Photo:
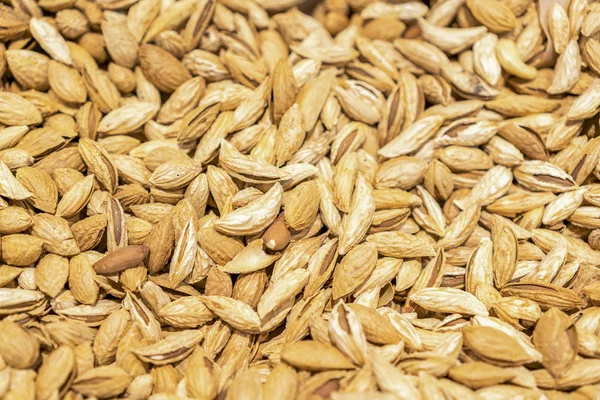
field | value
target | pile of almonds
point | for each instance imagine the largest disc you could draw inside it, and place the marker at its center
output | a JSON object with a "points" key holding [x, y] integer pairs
{"points": [[234, 200]]}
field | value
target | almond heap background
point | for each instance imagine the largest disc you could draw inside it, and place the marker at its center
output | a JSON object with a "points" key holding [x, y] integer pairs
{"points": [[230, 199]]}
